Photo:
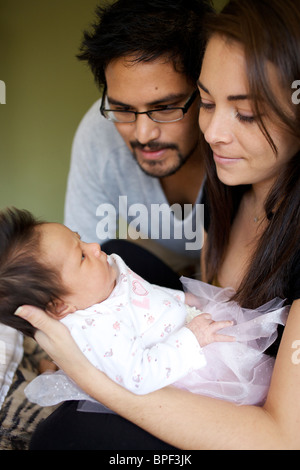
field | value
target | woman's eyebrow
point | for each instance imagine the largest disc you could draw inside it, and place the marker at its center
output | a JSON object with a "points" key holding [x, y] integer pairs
{"points": [[200, 85], [238, 97]]}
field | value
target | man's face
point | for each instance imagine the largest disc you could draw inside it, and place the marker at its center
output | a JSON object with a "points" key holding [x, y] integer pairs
{"points": [[160, 149]]}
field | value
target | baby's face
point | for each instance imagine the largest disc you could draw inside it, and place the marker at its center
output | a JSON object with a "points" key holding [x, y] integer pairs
{"points": [[84, 268]]}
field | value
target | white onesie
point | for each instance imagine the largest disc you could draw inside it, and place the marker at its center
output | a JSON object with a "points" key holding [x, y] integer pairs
{"points": [[137, 336]]}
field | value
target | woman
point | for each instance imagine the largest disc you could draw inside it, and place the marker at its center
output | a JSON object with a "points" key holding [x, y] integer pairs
{"points": [[253, 131]]}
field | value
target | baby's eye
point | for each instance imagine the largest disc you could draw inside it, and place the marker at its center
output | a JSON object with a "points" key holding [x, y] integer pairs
{"points": [[82, 257]]}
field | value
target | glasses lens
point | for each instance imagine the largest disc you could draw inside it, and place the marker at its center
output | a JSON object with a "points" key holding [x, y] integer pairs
{"points": [[119, 116], [167, 115]]}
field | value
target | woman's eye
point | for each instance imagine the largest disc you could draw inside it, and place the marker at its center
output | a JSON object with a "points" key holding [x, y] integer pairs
{"points": [[244, 118], [206, 106]]}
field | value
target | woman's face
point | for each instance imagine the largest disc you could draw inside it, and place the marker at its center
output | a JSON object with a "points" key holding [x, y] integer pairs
{"points": [[241, 152]]}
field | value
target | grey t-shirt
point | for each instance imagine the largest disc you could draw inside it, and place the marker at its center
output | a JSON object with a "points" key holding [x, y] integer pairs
{"points": [[106, 183]]}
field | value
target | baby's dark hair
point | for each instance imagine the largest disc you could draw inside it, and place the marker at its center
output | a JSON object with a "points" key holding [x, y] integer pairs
{"points": [[24, 279]]}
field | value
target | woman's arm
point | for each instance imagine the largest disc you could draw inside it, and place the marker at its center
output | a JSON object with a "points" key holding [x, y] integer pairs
{"points": [[186, 420]]}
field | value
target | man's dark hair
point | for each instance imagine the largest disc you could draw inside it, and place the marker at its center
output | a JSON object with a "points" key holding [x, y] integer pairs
{"points": [[147, 30], [24, 279]]}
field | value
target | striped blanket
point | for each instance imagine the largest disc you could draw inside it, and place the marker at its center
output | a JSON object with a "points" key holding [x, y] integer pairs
{"points": [[19, 417]]}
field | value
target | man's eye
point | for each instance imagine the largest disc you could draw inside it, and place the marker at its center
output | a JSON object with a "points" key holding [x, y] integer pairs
{"points": [[165, 110]]}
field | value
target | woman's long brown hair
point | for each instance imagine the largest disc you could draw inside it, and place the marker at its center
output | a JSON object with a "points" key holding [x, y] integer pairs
{"points": [[269, 31]]}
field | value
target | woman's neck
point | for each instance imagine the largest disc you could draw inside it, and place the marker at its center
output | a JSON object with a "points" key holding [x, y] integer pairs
{"points": [[256, 198]]}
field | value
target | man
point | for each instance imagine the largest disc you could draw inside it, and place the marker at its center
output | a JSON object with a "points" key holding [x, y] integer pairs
{"points": [[136, 168], [146, 55]]}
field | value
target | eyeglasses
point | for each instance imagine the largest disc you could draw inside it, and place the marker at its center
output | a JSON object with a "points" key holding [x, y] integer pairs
{"points": [[161, 115]]}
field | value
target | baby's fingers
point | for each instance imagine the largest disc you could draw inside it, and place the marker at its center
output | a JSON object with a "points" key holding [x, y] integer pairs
{"points": [[219, 325], [224, 338]]}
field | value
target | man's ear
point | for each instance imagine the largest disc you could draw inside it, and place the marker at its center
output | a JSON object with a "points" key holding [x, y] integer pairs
{"points": [[59, 309]]}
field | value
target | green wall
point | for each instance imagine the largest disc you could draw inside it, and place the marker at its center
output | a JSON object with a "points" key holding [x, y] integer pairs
{"points": [[47, 92]]}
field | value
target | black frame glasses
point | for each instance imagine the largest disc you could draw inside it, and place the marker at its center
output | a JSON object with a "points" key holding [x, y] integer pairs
{"points": [[161, 115]]}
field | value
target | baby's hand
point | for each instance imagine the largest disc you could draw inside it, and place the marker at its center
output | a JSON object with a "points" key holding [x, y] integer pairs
{"points": [[46, 365], [205, 329], [193, 301]]}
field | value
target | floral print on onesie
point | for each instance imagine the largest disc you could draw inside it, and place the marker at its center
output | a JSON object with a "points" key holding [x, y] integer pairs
{"points": [[137, 335]]}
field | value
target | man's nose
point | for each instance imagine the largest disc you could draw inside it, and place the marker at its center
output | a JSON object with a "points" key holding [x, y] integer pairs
{"points": [[146, 130]]}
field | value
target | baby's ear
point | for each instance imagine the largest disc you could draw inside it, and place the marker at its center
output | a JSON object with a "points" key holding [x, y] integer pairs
{"points": [[59, 309]]}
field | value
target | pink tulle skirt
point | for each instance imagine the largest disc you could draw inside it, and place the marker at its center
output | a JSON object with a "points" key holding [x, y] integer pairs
{"points": [[238, 372]]}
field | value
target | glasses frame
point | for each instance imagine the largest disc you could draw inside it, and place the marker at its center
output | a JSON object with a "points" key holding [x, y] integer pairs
{"points": [[184, 110]]}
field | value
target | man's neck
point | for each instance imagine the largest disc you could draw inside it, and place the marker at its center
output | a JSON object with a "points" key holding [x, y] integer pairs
{"points": [[183, 186]]}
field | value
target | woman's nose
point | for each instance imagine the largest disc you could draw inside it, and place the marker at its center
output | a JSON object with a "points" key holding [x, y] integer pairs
{"points": [[216, 128]]}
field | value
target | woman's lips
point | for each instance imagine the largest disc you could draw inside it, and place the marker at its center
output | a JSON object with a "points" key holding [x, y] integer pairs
{"points": [[226, 160]]}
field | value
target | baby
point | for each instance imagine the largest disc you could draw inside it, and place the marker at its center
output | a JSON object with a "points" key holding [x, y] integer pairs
{"points": [[135, 332], [132, 330]]}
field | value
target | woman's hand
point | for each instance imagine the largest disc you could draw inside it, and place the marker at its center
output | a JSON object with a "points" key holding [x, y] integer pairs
{"points": [[55, 339]]}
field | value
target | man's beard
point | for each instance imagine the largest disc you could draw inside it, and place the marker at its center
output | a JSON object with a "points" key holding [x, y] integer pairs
{"points": [[155, 167]]}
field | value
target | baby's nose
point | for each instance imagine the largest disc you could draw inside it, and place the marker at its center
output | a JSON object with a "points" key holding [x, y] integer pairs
{"points": [[95, 249]]}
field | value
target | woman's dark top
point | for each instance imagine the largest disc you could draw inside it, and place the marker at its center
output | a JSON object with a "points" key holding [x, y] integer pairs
{"points": [[293, 291]]}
